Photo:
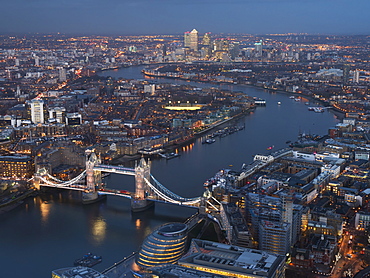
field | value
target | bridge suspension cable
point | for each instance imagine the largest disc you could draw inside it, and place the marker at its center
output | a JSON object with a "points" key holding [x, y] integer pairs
{"points": [[169, 193], [61, 183], [184, 201], [80, 176]]}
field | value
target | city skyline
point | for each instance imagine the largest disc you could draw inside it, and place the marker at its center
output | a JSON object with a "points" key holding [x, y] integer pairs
{"points": [[174, 17]]}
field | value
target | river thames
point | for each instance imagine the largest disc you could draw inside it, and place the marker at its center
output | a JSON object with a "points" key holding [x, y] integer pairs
{"points": [[50, 232]]}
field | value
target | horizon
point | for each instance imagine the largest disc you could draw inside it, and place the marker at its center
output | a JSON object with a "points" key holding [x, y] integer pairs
{"points": [[144, 17], [179, 34]]}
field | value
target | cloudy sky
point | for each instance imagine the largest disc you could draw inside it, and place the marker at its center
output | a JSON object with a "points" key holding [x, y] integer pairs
{"points": [[122, 17]]}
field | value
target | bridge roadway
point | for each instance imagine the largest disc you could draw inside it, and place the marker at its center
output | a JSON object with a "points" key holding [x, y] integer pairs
{"points": [[69, 187], [114, 169]]}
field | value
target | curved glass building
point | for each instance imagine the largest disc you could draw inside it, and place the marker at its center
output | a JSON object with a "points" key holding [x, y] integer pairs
{"points": [[165, 245]]}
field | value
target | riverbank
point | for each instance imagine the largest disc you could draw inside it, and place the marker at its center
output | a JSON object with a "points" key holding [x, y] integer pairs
{"points": [[340, 114], [172, 147], [13, 203]]}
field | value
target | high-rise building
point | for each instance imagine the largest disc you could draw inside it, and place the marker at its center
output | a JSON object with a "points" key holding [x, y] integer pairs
{"points": [[274, 237], [258, 48], [346, 69], [206, 39], [234, 50], [191, 40], [281, 212], [356, 76], [187, 39], [37, 111]]}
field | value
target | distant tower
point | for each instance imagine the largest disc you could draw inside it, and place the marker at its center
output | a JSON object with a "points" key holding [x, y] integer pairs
{"points": [[346, 69], [37, 111], [191, 40], [234, 50], [194, 40], [206, 39], [187, 39], [356, 76], [258, 48], [62, 74]]}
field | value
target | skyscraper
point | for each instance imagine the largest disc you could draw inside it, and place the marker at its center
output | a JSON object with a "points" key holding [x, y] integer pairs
{"points": [[258, 48], [346, 69], [37, 111], [206, 39], [191, 40], [187, 39]]}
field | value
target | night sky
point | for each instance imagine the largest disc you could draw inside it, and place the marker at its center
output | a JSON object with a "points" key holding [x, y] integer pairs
{"points": [[124, 17]]}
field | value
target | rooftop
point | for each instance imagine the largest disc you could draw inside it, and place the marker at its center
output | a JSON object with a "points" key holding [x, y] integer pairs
{"points": [[232, 259]]}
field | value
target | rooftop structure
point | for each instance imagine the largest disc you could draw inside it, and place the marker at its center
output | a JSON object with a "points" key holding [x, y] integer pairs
{"points": [[76, 272], [232, 261]]}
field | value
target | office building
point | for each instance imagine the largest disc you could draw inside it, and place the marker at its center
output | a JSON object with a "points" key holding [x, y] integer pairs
{"points": [[236, 229], [206, 39], [191, 40], [362, 220], [285, 216], [37, 111], [57, 113], [232, 261], [346, 70], [274, 237], [165, 245], [258, 48], [20, 167]]}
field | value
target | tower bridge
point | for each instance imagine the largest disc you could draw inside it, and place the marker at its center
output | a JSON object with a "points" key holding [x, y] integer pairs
{"points": [[148, 190]]}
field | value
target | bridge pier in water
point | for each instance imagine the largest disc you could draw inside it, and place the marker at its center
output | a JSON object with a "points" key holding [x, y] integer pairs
{"points": [[93, 178], [139, 201]]}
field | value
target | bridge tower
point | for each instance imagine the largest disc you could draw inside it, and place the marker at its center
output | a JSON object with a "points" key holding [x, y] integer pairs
{"points": [[139, 201], [90, 195]]}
